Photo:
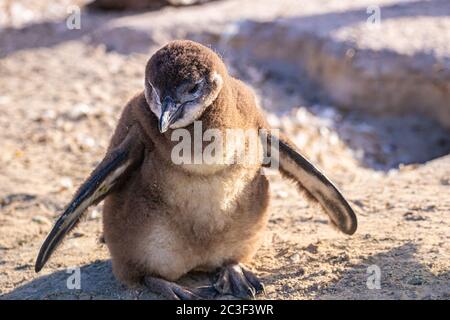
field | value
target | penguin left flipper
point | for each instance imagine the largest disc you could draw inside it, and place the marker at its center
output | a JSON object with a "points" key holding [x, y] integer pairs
{"points": [[319, 187], [116, 165]]}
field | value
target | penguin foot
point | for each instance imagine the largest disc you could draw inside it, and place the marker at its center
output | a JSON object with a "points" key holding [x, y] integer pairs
{"points": [[238, 282], [170, 290]]}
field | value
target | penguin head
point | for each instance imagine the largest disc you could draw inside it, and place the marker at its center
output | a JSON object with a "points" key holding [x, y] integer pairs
{"points": [[182, 80]]}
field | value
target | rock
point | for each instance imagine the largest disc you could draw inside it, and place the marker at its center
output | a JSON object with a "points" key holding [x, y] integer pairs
{"points": [[78, 234], [416, 280], [281, 194], [412, 216], [5, 100], [85, 142], [273, 120], [66, 183], [359, 203], [295, 258], [41, 220], [15, 197], [311, 248], [45, 116], [94, 215], [78, 112]]}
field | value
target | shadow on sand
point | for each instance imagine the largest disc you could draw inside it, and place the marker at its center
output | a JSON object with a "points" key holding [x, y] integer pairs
{"points": [[402, 277]]}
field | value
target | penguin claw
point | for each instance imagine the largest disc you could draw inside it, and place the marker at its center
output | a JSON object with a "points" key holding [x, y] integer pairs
{"points": [[170, 290], [232, 280], [238, 282], [206, 292], [254, 281], [185, 294]]}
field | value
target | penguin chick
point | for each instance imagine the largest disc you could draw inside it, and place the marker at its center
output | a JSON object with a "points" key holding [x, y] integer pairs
{"points": [[163, 219]]}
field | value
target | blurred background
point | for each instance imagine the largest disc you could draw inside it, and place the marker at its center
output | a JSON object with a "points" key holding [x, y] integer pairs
{"points": [[362, 87]]}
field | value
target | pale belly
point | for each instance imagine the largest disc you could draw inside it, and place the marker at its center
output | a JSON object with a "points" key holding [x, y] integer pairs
{"points": [[200, 223], [208, 223]]}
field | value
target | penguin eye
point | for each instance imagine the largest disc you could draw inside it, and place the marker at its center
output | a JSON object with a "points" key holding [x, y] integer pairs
{"points": [[190, 91], [194, 89]]}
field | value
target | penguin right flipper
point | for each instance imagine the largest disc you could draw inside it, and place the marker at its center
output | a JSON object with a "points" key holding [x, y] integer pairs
{"points": [[116, 165], [296, 167]]}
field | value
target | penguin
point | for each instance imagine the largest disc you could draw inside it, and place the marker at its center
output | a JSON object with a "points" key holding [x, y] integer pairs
{"points": [[162, 218]]}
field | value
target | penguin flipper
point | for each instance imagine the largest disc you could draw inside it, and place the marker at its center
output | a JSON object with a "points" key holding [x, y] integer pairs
{"points": [[114, 167], [296, 167]]}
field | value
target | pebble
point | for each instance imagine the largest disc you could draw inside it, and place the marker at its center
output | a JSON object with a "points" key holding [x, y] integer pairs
{"points": [[85, 141], [66, 183], [416, 280], [411, 216], [281, 194], [302, 116], [273, 120], [78, 234], [94, 215], [41, 220], [311, 248], [79, 111], [295, 258], [5, 100]]}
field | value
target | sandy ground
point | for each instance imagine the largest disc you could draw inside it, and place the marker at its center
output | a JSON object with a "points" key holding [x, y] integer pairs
{"points": [[59, 104]]}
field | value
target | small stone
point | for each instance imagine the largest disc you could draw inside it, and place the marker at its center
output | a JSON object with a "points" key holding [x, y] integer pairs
{"points": [[94, 215], [334, 138], [46, 115], [19, 153], [79, 111], [416, 280], [41, 220], [281, 194], [66, 183], [273, 120], [392, 172], [86, 142], [411, 216], [295, 258], [359, 203], [324, 131], [102, 239], [78, 234], [311, 248], [5, 100], [350, 53], [302, 116], [389, 205]]}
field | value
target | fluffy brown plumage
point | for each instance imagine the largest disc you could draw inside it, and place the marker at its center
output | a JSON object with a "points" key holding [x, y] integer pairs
{"points": [[162, 220]]}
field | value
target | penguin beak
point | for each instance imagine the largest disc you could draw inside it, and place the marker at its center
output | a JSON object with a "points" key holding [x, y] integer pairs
{"points": [[169, 114]]}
